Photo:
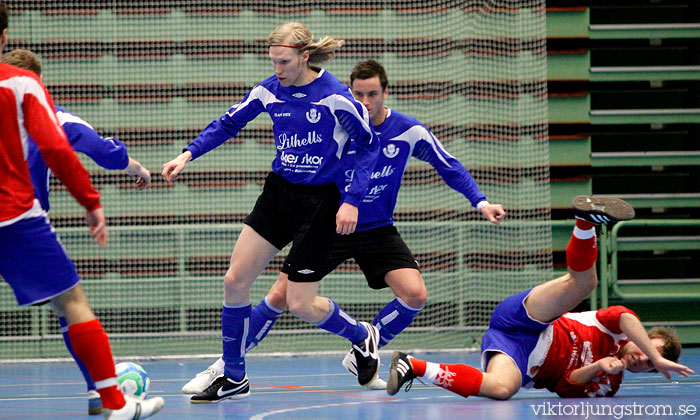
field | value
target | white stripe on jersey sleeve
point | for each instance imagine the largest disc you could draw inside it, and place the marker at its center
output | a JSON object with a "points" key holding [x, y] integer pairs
{"points": [[340, 102], [258, 92], [417, 133], [20, 86], [589, 319], [65, 117]]}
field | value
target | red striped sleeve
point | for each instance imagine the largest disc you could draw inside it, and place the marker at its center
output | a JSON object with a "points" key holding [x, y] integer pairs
{"points": [[42, 125]]}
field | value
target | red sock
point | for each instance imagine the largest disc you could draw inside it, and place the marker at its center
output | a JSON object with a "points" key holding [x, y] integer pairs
{"points": [[461, 379], [418, 366], [91, 345], [582, 252]]}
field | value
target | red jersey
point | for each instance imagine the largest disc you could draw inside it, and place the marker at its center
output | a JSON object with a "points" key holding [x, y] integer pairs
{"points": [[26, 109], [575, 340]]}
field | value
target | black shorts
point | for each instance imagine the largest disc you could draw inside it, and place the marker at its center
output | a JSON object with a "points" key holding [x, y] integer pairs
{"points": [[301, 214], [377, 252]]}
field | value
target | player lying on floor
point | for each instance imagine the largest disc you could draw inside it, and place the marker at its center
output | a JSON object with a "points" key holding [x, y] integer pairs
{"points": [[533, 341]]}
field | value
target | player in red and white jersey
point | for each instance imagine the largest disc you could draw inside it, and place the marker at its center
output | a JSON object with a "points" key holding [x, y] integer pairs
{"points": [[27, 109], [533, 339], [576, 340], [32, 259]]}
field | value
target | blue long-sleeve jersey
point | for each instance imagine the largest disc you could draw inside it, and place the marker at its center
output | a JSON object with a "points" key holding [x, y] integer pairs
{"points": [[312, 125], [109, 153], [401, 137]]}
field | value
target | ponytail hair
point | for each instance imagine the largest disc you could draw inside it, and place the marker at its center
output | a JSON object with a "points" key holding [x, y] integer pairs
{"points": [[298, 36]]}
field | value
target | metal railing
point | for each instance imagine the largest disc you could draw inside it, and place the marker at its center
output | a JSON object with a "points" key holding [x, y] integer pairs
{"points": [[612, 243]]}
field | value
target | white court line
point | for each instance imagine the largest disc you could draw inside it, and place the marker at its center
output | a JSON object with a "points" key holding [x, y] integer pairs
{"points": [[261, 416], [44, 398]]}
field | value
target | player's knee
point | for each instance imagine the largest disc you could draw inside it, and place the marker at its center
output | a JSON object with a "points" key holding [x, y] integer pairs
{"points": [[590, 282], [593, 283], [233, 283], [416, 297], [299, 307], [501, 392], [302, 312], [277, 298], [57, 308]]}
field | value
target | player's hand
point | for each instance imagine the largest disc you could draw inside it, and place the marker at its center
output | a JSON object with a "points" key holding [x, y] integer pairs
{"points": [[665, 366], [144, 175], [611, 365], [175, 166], [98, 226], [494, 213], [346, 219]]}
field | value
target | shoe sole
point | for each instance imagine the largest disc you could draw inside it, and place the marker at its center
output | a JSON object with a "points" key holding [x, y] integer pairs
{"points": [[614, 208], [232, 397], [392, 385], [376, 384], [94, 411]]}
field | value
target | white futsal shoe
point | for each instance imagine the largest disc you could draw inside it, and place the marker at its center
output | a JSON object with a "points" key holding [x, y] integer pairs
{"points": [[204, 378], [350, 363], [135, 409]]}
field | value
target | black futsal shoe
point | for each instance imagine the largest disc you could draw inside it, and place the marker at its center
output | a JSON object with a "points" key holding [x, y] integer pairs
{"points": [[223, 388], [367, 355], [400, 372]]}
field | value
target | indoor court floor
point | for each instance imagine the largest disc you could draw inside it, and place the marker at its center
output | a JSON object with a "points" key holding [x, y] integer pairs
{"points": [[306, 387]]}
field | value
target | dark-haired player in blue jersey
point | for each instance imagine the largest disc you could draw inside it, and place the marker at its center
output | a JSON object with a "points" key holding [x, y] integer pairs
{"points": [[109, 153], [376, 245], [314, 118]]}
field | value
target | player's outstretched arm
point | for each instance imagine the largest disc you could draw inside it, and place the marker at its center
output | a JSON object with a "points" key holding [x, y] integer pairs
{"points": [[494, 213], [634, 330], [665, 366], [175, 166], [144, 175]]}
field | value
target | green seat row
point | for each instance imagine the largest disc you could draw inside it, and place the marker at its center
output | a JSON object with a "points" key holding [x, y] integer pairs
{"points": [[670, 158], [645, 116], [177, 24], [645, 31], [197, 199], [179, 113], [661, 200], [198, 241], [573, 22], [257, 154], [249, 68], [576, 65]]}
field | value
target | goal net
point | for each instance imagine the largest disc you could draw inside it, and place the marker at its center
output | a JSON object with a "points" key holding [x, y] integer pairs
{"points": [[154, 73]]}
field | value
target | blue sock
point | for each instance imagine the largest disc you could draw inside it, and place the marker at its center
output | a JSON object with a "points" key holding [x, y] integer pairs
{"points": [[64, 331], [342, 324], [262, 318], [392, 319], [235, 323]]}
